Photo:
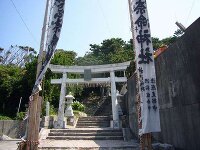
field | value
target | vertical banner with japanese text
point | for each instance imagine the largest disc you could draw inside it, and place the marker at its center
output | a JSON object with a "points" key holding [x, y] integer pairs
{"points": [[54, 29], [150, 118]]}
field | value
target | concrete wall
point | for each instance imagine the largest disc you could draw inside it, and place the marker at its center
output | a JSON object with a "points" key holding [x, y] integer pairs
{"points": [[178, 82], [12, 128], [131, 105]]}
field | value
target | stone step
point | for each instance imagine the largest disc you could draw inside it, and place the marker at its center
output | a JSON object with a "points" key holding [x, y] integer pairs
{"points": [[93, 123], [92, 126], [86, 134], [85, 130], [85, 124], [89, 121], [85, 137], [90, 148], [94, 118]]}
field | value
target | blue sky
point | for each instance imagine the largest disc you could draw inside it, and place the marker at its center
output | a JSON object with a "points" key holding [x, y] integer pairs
{"points": [[90, 21]]}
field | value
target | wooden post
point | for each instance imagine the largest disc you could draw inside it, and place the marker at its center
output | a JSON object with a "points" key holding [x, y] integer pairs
{"points": [[34, 122], [35, 100]]}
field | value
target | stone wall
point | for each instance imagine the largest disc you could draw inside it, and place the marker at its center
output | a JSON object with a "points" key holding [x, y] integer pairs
{"points": [[178, 82], [12, 128]]}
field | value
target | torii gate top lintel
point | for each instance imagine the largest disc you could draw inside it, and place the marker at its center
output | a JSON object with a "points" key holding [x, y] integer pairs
{"points": [[94, 68]]}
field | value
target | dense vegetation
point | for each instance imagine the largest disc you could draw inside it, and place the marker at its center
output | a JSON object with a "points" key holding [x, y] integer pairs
{"points": [[17, 82]]}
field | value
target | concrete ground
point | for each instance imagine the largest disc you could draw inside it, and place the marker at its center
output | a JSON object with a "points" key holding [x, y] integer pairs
{"points": [[76, 144], [12, 145], [59, 144], [73, 144], [9, 145]]}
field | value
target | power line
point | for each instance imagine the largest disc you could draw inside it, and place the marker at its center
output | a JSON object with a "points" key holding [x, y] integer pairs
{"points": [[103, 14], [190, 11], [24, 22]]}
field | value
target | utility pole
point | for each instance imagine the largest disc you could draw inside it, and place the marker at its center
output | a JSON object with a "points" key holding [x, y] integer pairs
{"points": [[42, 46], [35, 103]]}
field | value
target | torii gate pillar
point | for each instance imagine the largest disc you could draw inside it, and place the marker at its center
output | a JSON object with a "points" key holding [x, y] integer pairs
{"points": [[115, 122], [60, 124]]}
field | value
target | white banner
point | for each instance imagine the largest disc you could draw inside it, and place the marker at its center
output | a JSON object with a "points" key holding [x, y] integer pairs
{"points": [[54, 29], [150, 118]]}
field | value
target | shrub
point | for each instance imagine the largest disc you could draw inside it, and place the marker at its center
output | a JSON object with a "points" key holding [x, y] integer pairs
{"points": [[5, 117], [20, 116], [76, 105], [52, 110]]}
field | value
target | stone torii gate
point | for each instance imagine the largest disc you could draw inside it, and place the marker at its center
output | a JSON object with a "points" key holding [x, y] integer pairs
{"points": [[111, 68]]}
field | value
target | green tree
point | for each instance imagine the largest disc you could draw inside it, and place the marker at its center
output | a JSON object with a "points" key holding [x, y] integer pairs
{"points": [[113, 50], [62, 57], [11, 88], [51, 92]]}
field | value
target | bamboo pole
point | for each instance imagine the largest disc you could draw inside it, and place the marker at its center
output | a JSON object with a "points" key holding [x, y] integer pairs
{"points": [[145, 139]]}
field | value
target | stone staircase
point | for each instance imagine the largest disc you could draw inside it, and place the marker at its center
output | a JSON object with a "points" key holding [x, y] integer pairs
{"points": [[88, 128], [91, 133], [93, 122], [86, 134], [105, 109]]}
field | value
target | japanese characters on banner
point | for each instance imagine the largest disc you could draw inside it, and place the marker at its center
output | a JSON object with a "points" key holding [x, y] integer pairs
{"points": [[54, 29], [150, 119]]}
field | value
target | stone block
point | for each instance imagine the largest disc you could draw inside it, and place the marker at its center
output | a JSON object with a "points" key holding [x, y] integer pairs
{"points": [[159, 146], [71, 121], [45, 122], [126, 134]]}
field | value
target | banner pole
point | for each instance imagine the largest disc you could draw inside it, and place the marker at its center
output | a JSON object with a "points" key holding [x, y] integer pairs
{"points": [[145, 139], [136, 77]]}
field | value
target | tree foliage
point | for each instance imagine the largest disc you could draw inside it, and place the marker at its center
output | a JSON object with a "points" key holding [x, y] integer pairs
{"points": [[51, 92], [16, 82], [62, 57], [166, 41], [11, 79], [114, 50]]}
